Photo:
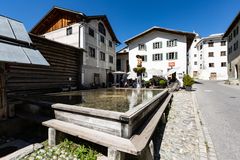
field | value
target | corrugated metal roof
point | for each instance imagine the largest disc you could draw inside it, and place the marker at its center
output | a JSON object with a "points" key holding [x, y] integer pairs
{"points": [[16, 45]]}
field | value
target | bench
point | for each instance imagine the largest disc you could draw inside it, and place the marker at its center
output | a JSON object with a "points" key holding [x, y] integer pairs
{"points": [[117, 146]]}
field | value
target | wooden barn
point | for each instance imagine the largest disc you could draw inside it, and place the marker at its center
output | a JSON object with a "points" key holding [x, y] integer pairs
{"points": [[31, 64]]}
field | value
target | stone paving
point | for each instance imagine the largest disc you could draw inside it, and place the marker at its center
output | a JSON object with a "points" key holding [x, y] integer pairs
{"points": [[183, 138]]}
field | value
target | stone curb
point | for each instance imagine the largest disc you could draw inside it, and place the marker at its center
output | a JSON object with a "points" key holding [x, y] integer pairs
{"points": [[206, 147]]}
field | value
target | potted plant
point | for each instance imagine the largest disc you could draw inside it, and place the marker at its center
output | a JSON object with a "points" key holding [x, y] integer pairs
{"points": [[188, 82]]}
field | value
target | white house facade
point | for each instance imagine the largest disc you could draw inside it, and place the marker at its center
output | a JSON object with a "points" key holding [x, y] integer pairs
{"points": [[208, 58], [95, 35], [123, 60], [163, 51], [232, 35]]}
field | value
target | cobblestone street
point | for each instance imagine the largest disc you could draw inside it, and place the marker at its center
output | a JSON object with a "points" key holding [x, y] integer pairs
{"points": [[182, 139]]}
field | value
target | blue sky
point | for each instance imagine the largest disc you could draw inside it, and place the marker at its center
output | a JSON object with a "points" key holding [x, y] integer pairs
{"points": [[130, 17]]}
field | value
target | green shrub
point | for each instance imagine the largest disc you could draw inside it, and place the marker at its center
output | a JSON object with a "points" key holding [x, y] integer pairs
{"points": [[147, 83], [156, 80], [188, 80], [163, 83]]}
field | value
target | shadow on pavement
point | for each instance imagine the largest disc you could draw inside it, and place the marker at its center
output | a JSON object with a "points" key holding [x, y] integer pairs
{"points": [[197, 82]]}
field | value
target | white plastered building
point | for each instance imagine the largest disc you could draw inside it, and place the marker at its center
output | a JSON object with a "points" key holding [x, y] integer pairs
{"points": [[208, 58], [92, 33], [163, 51]]}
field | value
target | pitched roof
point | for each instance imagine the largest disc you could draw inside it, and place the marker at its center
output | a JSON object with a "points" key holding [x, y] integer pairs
{"points": [[40, 28], [190, 35], [211, 37], [232, 25]]}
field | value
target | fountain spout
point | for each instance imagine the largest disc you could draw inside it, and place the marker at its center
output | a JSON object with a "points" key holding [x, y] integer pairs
{"points": [[139, 70]]}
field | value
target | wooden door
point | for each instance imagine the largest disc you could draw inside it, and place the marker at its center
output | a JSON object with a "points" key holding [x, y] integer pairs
{"points": [[213, 76]]}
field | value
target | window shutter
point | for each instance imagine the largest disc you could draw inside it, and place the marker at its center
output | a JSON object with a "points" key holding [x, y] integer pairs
{"points": [[153, 57], [176, 55], [160, 44], [167, 56]]}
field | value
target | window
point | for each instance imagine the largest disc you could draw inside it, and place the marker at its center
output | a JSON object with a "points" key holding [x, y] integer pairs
{"points": [[91, 32], [195, 55], [195, 63], [200, 66], [211, 64], [157, 57], [230, 37], [235, 32], [223, 53], [102, 39], [157, 45], [235, 46], [110, 43], [141, 47], [102, 56], [69, 31], [110, 59], [223, 43], [101, 28], [144, 58], [171, 55], [92, 52], [210, 44], [200, 56], [172, 43], [223, 64], [230, 49], [210, 54], [201, 46]]}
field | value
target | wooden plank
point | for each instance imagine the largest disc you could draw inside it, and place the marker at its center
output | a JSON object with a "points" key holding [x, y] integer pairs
{"points": [[104, 139], [97, 123], [141, 140], [22, 152], [88, 111]]}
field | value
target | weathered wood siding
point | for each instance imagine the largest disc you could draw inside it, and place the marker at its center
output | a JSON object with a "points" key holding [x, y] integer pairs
{"points": [[65, 64]]}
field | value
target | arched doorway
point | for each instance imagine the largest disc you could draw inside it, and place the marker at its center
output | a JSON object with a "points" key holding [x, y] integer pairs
{"points": [[236, 72]]}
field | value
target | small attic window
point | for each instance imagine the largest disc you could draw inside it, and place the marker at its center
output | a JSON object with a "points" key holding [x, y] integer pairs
{"points": [[69, 31], [101, 28]]}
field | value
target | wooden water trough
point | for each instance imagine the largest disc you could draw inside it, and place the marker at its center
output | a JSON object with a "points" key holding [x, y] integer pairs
{"points": [[128, 132]]}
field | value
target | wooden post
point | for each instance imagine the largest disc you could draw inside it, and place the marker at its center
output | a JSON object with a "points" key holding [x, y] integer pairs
{"points": [[163, 118], [51, 137], [3, 99], [115, 155]]}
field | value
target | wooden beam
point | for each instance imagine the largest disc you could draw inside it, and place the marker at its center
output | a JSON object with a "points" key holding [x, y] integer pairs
{"points": [[141, 140], [23, 152], [104, 139]]}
